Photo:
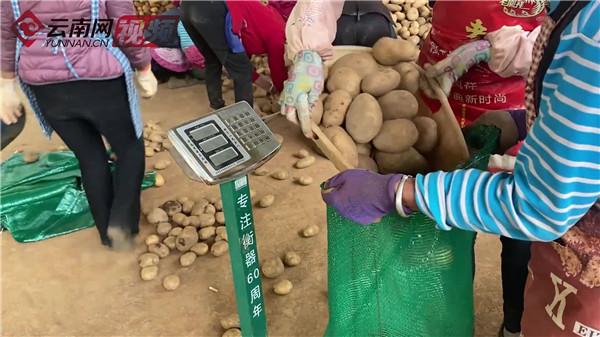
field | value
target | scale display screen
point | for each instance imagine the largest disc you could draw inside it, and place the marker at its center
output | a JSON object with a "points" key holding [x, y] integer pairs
{"points": [[224, 144]]}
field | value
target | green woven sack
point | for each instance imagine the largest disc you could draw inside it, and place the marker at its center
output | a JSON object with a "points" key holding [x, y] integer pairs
{"points": [[402, 276], [45, 199]]}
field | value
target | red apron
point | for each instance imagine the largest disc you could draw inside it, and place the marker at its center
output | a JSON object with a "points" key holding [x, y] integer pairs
{"points": [[562, 296], [458, 22]]}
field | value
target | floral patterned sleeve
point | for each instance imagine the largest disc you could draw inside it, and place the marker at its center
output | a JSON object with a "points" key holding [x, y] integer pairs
{"points": [[312, 26]]}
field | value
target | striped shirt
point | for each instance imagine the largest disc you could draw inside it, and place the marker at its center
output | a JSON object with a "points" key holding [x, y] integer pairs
{"points": [[557, 172]]}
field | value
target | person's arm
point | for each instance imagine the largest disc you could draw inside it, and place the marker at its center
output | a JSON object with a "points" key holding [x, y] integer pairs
{"points": [[557, 172], [312, 26], [276, 59], [511, 50], [9, 40], [139, 57]]}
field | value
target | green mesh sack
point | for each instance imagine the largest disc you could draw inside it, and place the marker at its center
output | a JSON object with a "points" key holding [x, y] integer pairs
{"points": [[402, 276], [45, 199]]}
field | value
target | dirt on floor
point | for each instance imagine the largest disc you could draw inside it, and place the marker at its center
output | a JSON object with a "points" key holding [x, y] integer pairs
{"points": [[73, 286]]}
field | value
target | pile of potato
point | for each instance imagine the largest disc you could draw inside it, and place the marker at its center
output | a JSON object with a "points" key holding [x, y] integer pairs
{"points": [[152, 7], [191, 228], [370, 112], [155, 139], [412, 18]]}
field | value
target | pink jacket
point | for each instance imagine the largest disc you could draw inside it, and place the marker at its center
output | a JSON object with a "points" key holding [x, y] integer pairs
{"points": [[37, 63]]}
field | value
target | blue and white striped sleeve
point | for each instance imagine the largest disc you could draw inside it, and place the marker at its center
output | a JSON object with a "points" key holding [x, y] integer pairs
{"points": [[557, 172]]}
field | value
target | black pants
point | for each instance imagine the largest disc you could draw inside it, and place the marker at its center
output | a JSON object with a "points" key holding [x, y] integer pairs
{"points": [[515, 258], [81, 112], [205, 23], [363, 30]]}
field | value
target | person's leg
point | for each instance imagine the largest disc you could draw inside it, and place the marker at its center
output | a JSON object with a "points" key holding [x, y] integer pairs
{"points": [[240, 68], [86, 143], [515, 258], [113, 120], [194, 19], [346, 31]]}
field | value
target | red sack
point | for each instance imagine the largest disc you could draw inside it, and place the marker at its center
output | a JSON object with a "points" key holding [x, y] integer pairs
{"points": [[458, 22]]}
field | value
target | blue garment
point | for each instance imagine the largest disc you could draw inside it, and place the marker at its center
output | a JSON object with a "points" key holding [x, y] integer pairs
{"points": [[233, 41], [557, 173], [119, 55]]}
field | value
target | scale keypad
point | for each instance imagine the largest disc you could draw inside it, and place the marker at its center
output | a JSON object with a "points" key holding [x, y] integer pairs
{"points": [[249, 131]]}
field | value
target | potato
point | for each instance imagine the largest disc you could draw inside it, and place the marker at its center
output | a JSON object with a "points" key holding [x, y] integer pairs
{"points": [[162, 164], [172, 207], [148, 259], [409, 76], [219, 205], [316, 113], [282, 287], [221, 233], [159, 249], [200, 248], [186, 239], [232, 333], [178, 218], [199, 207], [397, 135], [30, 157], [152, 239], [220, 218], [398, 104], [175, 231], [310, 230], [187, 206], [149, 273], [364, 149], [171, 282], [344, 143], [428, 134], [166, 144], [305, 162], [183, 199], [206, 233], [362, 63], [412, 14], [169, 241], [280, 174], [389, 51], [364, 118], [207, 220], [163, 228], [344, 78], [148, 151], [367, 163], [157, 215], [336, 105], [230, 321], [303, 180], [159, 180], [302, 153], [414, 40], [261, 171], [219, 248], [266, 201], [210, 209], [187, 259], [272, 268], [380, 82], [407, 162], [292, 259]]}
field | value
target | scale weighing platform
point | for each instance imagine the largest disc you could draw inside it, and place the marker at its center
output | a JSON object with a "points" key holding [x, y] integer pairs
{"points": [[224, 145], [221, 148]]}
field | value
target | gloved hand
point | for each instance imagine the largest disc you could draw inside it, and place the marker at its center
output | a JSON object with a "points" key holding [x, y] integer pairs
{"points": [[265, 83], [302, 89], [147, 83], [362, 196], [450, 69], [11, 105]]}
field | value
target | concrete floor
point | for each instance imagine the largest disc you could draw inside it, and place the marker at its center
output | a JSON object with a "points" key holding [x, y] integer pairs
{"points": [[72, 286]]}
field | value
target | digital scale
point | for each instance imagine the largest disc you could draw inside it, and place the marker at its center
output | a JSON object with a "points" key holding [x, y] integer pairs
{"points": [[224, 145], [221, 148]]}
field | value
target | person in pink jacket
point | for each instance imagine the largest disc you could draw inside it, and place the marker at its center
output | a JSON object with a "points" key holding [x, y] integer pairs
{"points": [[83, 93]]}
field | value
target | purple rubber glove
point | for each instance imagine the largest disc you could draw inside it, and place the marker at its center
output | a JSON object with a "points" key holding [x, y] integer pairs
{"points": [[362, 196]]}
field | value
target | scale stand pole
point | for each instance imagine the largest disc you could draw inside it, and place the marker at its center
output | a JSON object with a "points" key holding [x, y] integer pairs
{"points": [[237, 206]]}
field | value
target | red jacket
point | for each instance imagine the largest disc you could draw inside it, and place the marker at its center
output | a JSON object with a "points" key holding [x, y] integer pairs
{"points": [[262, 31]]}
